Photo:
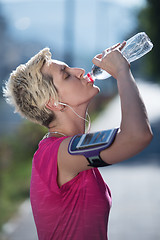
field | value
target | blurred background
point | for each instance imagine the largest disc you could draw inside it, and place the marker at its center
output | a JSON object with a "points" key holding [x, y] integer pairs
{"points": [[75, 31]]}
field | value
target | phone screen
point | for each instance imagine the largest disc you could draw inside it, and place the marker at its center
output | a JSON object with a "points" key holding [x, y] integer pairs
{"points": [[94, 139]]}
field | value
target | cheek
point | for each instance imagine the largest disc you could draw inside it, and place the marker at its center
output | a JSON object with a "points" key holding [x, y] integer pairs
{"points": [[69, 94], [84, 94], [72, 89], [77, 93]]}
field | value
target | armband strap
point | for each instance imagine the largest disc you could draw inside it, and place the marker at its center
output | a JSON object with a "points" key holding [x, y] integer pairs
{"points": [[90, 145]]}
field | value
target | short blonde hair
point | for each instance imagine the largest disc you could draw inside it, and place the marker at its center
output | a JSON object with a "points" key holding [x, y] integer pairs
{"points": [[28, 90]]}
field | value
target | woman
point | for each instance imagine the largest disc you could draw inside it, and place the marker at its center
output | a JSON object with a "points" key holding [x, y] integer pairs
{"points": [[68, 196]]}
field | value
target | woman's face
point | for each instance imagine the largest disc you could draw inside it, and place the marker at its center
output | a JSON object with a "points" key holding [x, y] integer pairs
{"points": [[73, 87]]}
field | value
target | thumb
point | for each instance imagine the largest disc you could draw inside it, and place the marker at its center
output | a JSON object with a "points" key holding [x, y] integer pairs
{"points": [[97, 59]]}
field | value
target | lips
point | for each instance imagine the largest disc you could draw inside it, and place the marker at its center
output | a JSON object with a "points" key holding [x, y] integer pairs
{"points": [[89, 78]]}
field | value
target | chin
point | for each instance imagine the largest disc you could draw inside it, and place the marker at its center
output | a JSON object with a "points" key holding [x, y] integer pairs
{"points": [[97, 89]]}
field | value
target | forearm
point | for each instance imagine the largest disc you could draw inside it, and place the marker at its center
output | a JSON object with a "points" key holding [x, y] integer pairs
{"points": [[135, 132], [134, 116]]}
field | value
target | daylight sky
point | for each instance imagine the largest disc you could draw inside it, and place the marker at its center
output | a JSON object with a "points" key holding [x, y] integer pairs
{"points": [[129, 3]]}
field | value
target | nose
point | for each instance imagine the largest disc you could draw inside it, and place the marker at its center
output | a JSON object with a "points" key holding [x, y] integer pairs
{"points": [[79, 72]]}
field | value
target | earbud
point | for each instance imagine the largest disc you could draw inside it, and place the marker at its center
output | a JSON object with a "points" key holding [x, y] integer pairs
{"points": [[64, 104], [57, 103]]}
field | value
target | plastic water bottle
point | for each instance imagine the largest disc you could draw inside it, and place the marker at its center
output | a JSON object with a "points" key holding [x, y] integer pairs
{"points": [[136, 47]]}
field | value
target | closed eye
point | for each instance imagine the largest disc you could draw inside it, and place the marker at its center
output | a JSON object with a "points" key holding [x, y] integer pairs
{"points": [[65, 73]]}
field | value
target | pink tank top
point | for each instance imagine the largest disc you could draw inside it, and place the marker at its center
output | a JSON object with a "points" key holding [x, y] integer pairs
{"points": [[78, 210]]}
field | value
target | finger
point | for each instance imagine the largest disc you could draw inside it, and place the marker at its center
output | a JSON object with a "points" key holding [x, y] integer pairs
{"points": [[97, 59], [110, 49], [122, 45], [99, 56], [115, 46]]}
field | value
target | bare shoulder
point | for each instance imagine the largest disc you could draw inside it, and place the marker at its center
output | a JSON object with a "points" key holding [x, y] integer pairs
{"points": [[69, 165]]}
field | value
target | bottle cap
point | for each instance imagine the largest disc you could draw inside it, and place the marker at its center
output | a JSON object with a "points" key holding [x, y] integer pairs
{"points": [[90, 77]]}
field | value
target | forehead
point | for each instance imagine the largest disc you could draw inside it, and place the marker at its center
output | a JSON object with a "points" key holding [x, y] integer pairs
{"points": [[53, 66], [57, 62]]}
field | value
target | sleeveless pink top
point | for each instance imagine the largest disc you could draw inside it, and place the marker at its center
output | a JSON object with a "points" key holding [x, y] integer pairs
{"points": [[78, 210]]}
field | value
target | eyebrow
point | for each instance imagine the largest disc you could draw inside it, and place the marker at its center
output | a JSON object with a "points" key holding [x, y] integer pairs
{"points": [[62, 70], [63, 67]]}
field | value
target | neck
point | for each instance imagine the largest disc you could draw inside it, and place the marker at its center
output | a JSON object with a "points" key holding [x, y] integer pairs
{"points": [[68, 123]]}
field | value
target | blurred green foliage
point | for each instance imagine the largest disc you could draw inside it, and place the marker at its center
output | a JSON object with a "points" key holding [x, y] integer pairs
{"points": [[149, 21], [16, 152]]}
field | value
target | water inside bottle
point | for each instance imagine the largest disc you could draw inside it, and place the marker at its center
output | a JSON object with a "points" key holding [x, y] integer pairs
{"points": [[99, 73], [137, 46]]}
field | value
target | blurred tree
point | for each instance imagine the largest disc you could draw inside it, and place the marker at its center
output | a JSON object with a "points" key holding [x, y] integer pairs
{"points": [[12, 51], [16, 153], [3, 31], [149, 21], [3, 25], [9, 53]]}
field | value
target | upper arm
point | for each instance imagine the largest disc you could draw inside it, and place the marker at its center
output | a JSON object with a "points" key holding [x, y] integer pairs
{"points": [[122, 148], [125, 146], [69, 165]]}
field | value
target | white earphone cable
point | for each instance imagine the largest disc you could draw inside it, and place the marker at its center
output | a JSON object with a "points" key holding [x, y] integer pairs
{"points": [[87, 121]]}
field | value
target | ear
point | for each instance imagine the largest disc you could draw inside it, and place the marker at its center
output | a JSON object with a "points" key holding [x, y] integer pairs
{"points": [[53, 106]]}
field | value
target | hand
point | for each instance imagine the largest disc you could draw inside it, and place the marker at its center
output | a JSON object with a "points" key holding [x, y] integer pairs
{"points": [[111, 60]]}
